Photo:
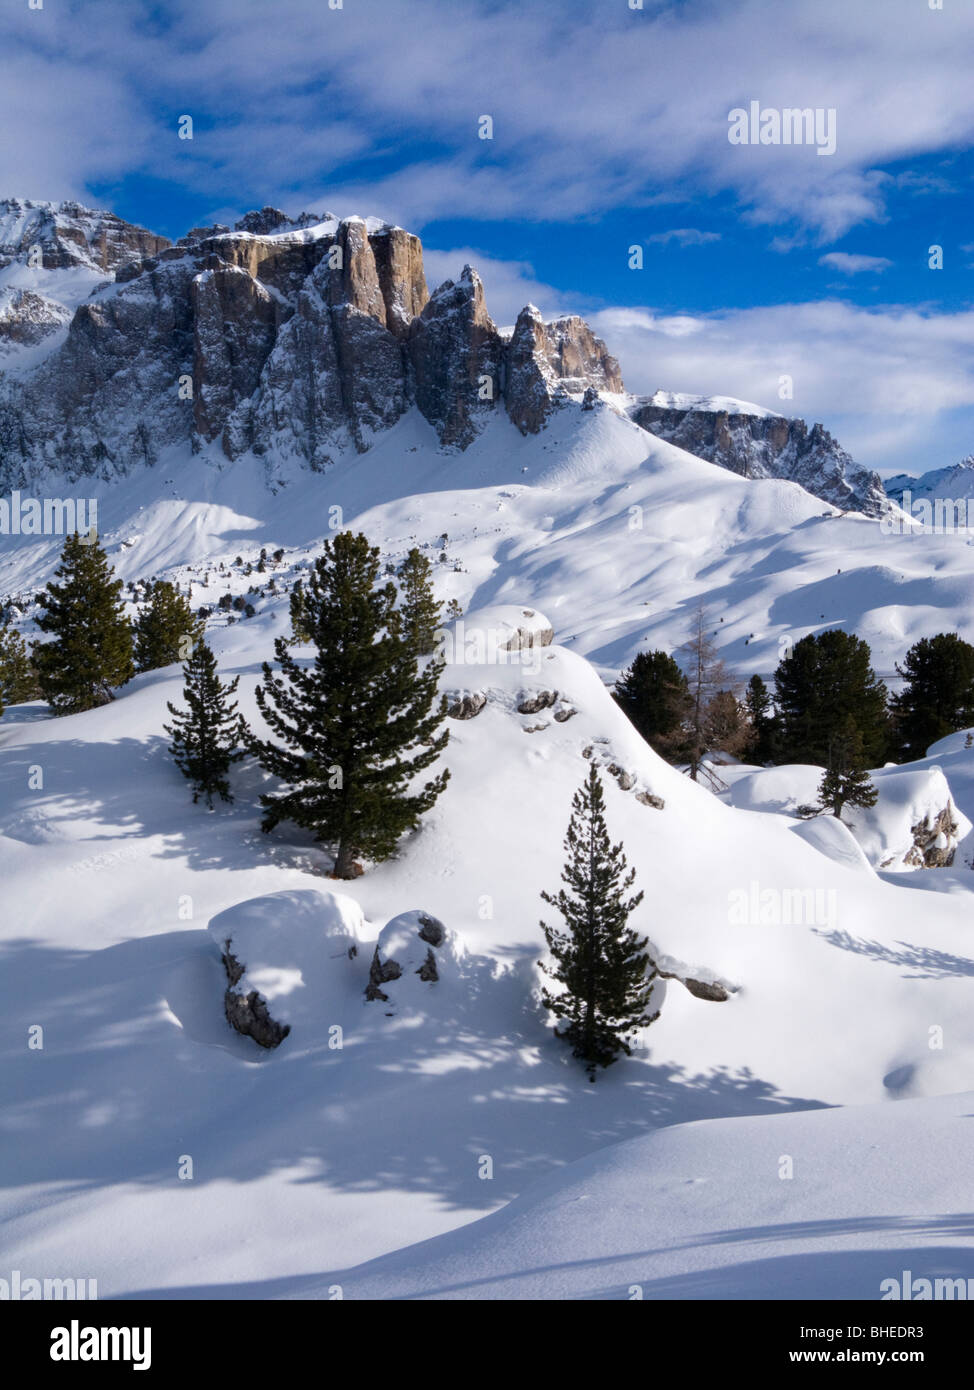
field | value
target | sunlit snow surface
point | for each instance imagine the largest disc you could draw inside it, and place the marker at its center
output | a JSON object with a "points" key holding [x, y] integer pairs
{"points": [[310, 1161]]}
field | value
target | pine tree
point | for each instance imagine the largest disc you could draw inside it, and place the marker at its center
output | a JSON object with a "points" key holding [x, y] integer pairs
{"points": [[206, 738], [654, 694], [760, 715], [938, 695], [166, 630], [825, 680], [18, 679], [602, 964], [420, 610], [91, 652], [359, 722], [845, 781], [299, 630]]}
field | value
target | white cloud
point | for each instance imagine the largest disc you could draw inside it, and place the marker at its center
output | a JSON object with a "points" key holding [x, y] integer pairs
{"points": [[685, 236], [893, 378], [850, 264], [593, 107]]}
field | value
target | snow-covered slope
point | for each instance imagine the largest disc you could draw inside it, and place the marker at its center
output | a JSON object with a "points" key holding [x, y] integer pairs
{"points": [[955, 482], [615, 535], [828, 1204], [313, 1158]]}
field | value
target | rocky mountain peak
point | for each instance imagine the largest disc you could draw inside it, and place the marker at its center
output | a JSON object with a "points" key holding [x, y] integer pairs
{"points": [[68, 234], [290, 337]]}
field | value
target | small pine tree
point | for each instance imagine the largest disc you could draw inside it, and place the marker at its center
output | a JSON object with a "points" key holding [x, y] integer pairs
{"points": [[845, 781], [299, 630], [91, 651], [420, 610], [357, 723], [602, 964], [18, 679], [165, 630], [206, 737], [760, 716]]}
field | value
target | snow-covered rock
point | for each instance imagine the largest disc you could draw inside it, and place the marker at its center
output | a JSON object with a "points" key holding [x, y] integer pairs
{"points": [[914, 824], [287, 960], [414, 949]]}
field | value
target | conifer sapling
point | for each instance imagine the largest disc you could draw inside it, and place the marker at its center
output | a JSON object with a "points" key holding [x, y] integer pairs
{"points": [[206, 737], [602, 964]]}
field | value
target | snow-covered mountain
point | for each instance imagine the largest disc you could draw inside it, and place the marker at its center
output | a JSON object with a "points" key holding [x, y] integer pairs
{"points": [[304, 338], [284, 339], [803, 964], [955, 483], [758, 443]]}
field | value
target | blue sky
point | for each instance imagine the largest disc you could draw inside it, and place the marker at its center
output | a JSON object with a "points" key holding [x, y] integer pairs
{"points": [[610, 129]]}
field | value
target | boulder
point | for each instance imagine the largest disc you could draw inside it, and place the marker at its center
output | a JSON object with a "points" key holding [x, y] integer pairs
{"points": [[465, 706]]}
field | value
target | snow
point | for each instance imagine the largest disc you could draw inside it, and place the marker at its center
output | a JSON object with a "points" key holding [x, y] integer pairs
{"points": [[315, 1158], [711, 1210], [907, 797], [728, 405]]}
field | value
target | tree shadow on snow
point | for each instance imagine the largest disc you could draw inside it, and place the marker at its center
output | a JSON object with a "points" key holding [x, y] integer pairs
{"points": [[918, 962]]}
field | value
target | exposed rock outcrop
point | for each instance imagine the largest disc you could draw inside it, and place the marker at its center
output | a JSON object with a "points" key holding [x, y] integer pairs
{"points": [[455, 352], [248, 1013], [414, 944], [533, 704], [765, 446], [465, 706], [68, 235], [548, 362], [292, 337], [934, 841], [712, 990]]}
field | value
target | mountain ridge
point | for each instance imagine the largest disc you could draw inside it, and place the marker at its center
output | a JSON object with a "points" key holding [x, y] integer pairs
{"points": [[303, 338]]}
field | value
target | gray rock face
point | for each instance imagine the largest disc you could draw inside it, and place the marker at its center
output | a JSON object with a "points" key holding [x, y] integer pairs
{"points": [[548, 362], [465, 706], [934, 841], [70, 235], [27, 317], [770, 446], [295, 338], [534, 704], [712, 990], [455, 353]]}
